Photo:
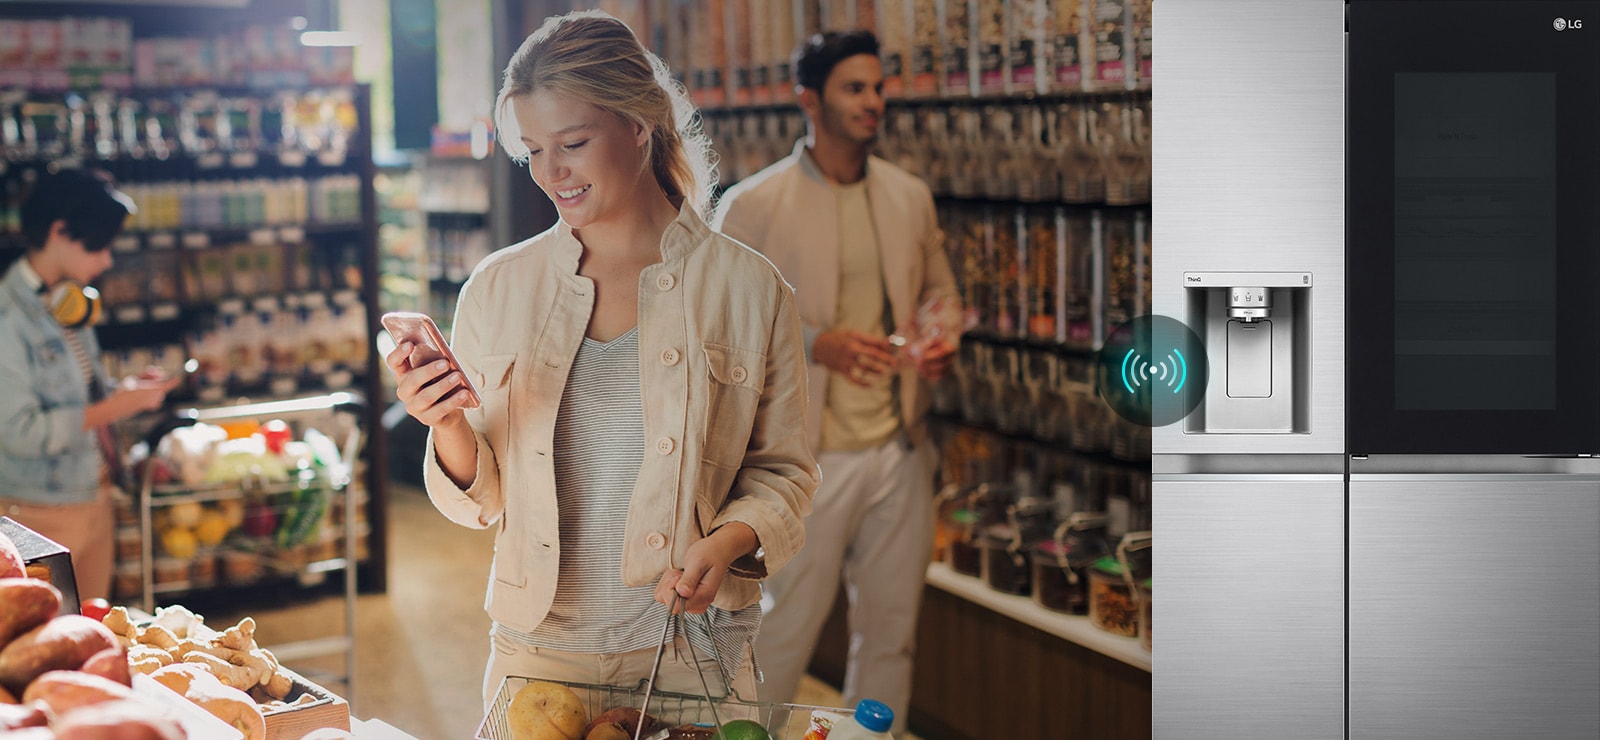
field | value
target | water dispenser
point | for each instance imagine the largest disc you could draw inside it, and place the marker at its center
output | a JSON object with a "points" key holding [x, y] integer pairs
{"points": [[1256, 327]]}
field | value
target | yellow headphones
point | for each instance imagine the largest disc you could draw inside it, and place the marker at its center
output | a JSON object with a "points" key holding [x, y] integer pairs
{"points": [[74, 305]]}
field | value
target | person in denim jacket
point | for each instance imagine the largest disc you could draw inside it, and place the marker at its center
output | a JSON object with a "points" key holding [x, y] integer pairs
{"points": [[54, 453], [642, 433]]}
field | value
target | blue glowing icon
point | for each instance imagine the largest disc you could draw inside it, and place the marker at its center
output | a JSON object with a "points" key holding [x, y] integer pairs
{"points": [[1171, 371]]}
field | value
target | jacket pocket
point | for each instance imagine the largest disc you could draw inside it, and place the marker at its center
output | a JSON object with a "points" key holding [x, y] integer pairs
{"points": [[736, 378], [493, 381]]}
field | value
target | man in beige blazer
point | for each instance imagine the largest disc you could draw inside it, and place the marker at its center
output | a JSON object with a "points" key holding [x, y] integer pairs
{"points": [[859, 240]]}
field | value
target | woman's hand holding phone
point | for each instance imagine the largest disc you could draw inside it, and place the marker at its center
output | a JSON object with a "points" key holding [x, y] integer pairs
{"points": [[432, 384]]}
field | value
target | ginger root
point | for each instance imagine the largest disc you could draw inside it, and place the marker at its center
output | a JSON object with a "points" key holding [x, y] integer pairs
{"points": [[238, 677]]}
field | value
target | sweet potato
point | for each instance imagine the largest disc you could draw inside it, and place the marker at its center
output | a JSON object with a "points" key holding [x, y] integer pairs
{"points": [[64, 691], [110, 663], [124, 719], [63, 643], [6, 697], [11, 563], [18, 716], [25, 603]]}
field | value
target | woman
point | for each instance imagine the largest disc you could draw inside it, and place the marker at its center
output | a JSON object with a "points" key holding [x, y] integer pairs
{"points": [[641, 436], [55, 446]]}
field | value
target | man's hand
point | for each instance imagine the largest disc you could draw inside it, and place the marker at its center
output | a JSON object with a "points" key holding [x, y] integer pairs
{"points": [[936, 359], [860, 358]]}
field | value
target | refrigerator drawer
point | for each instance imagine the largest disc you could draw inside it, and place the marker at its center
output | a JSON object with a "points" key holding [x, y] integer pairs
{"points": [[1251, 580], [1472, 608]]}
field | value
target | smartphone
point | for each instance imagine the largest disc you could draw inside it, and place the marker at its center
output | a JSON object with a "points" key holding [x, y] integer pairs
{"points": [[428, 345]]}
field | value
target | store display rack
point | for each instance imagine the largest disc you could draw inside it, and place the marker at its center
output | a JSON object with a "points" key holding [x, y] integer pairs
{"points": [[296, 544]]}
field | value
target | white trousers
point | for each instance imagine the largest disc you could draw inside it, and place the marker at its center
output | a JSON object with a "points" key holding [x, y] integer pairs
{"points": [[871, 523]]}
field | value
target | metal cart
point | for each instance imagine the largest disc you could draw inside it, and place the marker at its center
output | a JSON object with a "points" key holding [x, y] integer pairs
{"points": [[333, 478]]}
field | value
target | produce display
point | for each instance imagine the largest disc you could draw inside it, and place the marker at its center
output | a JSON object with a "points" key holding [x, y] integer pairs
{"points": [[65, 677]]}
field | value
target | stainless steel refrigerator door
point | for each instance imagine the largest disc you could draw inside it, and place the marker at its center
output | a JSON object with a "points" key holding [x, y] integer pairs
{"points": [[1251, 581], [1248, 170], [1472, 607]]}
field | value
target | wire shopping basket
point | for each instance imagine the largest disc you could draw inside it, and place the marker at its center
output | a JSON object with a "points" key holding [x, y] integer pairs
{"points": [[783, 721]]}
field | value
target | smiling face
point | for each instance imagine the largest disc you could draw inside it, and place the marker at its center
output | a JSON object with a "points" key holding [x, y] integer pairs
{"points": [[851, 103], [589, 161]]}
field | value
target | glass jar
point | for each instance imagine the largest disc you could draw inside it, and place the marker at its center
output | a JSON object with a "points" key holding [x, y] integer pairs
{"points": [[1112, 605], [1145, 611], [1061, 564]]}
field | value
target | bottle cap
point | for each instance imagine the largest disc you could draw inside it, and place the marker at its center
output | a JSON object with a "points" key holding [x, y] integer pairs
{"points": [[874, 715]]}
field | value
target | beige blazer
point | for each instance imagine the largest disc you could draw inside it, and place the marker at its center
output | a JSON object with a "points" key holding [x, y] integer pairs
{"points": [[722, 373], [790, 213]]}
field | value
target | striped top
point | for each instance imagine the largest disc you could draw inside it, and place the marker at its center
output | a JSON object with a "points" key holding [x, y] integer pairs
{"points": [[599, 447]]}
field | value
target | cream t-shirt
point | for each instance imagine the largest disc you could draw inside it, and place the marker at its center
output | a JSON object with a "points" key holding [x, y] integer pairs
{"points": [[857, 418]]}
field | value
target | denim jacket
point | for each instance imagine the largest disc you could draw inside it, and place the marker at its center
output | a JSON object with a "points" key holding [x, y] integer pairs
{"points": [[722, 375], [46, 456]]}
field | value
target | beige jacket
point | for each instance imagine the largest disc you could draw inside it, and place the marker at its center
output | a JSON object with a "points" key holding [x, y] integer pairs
{"points": [[722, 375], [789, 212]]}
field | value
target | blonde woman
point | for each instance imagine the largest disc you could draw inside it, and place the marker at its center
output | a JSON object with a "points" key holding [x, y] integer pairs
{"points": [[642, 434]]}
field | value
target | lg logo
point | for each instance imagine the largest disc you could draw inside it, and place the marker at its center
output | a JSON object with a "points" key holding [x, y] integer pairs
{"points": [[1562, 24]]}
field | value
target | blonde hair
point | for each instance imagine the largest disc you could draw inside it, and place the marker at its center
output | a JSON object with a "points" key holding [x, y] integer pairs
{"points": [[591, 56]]}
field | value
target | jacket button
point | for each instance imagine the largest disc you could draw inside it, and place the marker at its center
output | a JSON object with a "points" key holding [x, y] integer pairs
{"points": [[665, 281], [669, 357], [656, 541], [740, 374], [665, 445]]}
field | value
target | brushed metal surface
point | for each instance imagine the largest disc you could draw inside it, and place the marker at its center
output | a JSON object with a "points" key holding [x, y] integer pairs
{"points": [[1471, 464], [1333, 465], [1249, 177], [1251, 600], [1472, 610]]}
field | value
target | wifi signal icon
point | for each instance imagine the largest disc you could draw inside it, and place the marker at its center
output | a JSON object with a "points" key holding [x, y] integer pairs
{"points": [[1171, 371]]}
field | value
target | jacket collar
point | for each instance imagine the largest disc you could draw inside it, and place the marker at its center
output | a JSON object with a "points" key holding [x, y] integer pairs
{"points": [[808, 165], [19, 289], [683, 235]]}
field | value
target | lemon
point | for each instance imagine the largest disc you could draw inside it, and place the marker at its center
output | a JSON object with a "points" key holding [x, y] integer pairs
{"points": [[742, 729]]}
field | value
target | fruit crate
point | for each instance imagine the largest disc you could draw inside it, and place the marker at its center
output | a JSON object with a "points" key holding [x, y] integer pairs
{"points": [[783, 721]]}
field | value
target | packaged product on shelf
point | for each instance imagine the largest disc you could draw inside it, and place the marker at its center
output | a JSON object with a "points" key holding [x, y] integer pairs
{"points": [[1127, 163], [866, 15], [1027, 45], [1061, 563], [955, 41], [758, 61], [990, 46], [1011, 266], [925, 61], [737, 29], [1113, 47], [1080, 161], [1143, 32], [709, 47], [1079, 253], [894, 22], [1037, 239], [1123, 267], [1004, 560], [784, 37]]}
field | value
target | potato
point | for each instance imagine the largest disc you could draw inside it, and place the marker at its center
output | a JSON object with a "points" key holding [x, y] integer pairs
{"points": [[110, 663], [11, 563], [25, 603], [64, 691], [116, 720], [546, 711], [17, 716], [63, 643]]}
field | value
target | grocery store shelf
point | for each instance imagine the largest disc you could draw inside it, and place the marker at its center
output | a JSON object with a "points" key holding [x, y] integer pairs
{"points": [[1071, 628]]}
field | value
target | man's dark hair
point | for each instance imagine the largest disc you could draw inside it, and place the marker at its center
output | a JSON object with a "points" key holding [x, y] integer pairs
{"points": [[816, 58], [91, 207]]}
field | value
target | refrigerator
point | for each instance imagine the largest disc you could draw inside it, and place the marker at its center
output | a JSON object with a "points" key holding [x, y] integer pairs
{"points": [[1382, 517]]}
